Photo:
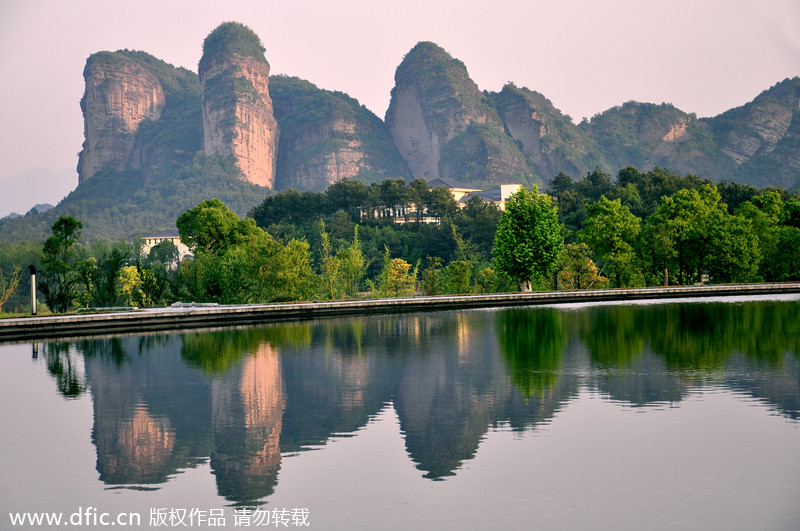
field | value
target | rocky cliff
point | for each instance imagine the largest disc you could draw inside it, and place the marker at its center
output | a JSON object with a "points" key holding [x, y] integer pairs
{"points": [[434, 102], [127, 94], [120, 94], [237, 108], [547, 137], [328, 136]]}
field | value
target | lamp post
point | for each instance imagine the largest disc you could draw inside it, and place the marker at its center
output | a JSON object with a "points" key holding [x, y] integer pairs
{"points": [[32, 269]]}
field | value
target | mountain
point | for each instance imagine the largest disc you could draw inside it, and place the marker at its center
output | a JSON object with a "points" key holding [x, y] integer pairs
{"points": [[158, 139], [328, 136], [445, 127]]}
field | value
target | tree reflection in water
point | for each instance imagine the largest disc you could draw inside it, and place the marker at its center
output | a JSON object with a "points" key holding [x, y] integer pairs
{"points": [[241, 399]]}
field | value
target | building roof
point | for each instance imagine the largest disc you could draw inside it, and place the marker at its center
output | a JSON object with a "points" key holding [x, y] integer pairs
{"points": [[449, 183], [164, 234], [491, 195]]}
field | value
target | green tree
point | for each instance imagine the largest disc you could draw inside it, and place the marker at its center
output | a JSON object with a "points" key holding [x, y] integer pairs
{"points": [[397, 279], [693, 219], [352, 265], [9, 285], [441, 204], [165, 253], [110, 262], [611, 232], [576, 270], [211, 227], [735, 255], [528, 239], [329, 264], [59, 280], [477, 223]]}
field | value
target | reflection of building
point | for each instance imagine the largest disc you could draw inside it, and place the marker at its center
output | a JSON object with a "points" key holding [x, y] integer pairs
{"points": [[246, 415]]}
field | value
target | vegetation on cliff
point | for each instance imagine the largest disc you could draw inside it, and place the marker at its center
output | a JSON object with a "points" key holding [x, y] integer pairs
{"points": [[316, 125], [232, 38], [115, 205]]}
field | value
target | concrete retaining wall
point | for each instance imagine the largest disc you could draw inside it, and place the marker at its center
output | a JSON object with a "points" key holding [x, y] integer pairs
{"points": [[65, 326]]}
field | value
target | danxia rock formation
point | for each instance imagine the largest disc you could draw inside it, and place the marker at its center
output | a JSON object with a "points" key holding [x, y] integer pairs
{"points": [[160, 139], [328, 136], [237, 108], [444, 126]]}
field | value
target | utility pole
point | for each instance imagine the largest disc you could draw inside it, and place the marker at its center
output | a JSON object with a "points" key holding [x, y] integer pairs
{"points": [[32, 269]]}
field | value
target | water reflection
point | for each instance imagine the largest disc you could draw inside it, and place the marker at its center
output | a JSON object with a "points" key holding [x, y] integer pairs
{"points": [[243, 399]]}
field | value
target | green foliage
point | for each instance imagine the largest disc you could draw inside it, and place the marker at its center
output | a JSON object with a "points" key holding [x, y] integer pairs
{"points": [[397, 278], [59, 281], [210, 227], [237, 262], [575, 269], [352, 266], [330, 265], [8, 285], [611, 231], [232, 38], [528, 239]]}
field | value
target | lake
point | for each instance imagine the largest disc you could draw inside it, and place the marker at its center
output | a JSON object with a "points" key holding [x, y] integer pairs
{"points": [[681, 414]]}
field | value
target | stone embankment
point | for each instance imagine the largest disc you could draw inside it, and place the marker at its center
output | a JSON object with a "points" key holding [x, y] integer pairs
{"points": [[183, 316]]}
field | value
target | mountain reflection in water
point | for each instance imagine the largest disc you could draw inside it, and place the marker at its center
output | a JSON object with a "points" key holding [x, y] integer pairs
{"points": [[242, 398]]}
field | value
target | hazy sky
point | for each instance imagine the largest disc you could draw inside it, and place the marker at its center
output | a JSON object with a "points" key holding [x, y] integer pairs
{"points": [[584, 55]]}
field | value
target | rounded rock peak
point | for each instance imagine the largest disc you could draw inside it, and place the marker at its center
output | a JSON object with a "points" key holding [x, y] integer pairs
{"points": [[427, 58], [232, 38]]}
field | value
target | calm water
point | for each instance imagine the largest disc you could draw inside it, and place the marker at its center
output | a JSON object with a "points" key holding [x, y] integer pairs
{"points": [[680, 415]]}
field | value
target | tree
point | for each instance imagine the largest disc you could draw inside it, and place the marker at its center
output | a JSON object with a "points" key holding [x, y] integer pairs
{"points": [[165, 253], [576, 270], [346, 195], [611, 231], [59, 280], [8, 285], [477, 222], [211, 227], [528, 239], [329, 264], [689, 220], [396, 279], [441, 204], [352, 265], [735, 255], [109, 265]]}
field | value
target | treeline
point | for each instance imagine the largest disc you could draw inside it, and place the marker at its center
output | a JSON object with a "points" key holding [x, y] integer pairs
{"points": [[657, 227], [395, 238]]}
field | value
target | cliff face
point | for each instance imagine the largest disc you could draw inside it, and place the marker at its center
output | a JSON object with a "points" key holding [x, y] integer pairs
{"points": [[548, 137], [120, 94], [139, 113], [444, 126], [763, 137], [327, 136], [433, 102], [237, 108]]}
